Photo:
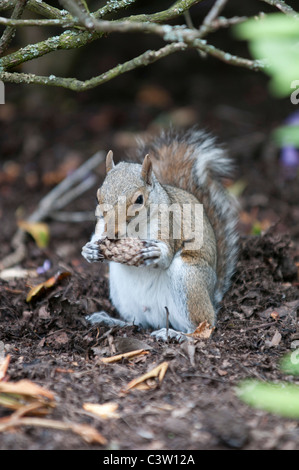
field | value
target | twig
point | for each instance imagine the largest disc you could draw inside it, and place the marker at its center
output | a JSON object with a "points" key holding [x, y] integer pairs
{"points": [[211, 16], [9, 32], [87, 432], [88, 27], [75, 8], [37, 6], [282, 6], [112, 7], [49, 202], [261, 325], [144, 59], [248, 371], [64, 23], [167, 323], [74, 193], [222, 22], [59, 197], [62, 216]]}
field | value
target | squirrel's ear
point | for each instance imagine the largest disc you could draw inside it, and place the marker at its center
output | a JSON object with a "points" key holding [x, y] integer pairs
{"points": [[109, 161], [146, 171]]}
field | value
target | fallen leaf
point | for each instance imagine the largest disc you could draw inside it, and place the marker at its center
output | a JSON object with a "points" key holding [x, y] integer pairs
{"points": [[38, 290], [38, 230], [203, 331], [17, 272], [221, 372], [88, 433], [25, 387], [105, 411], [17, 395], [274, 341], [156, 373], [274, 315], [119, 357], [64, 371]]}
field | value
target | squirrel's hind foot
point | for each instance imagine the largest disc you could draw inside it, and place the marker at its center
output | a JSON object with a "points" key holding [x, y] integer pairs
{"points": [[166, 334]]}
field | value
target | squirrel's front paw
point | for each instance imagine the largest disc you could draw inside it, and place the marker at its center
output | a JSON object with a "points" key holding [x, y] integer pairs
{"points": [[155, 253], [91, 252]]}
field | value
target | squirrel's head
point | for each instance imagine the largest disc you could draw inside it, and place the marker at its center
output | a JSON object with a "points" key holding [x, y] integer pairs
{"points": [[127, 186]]}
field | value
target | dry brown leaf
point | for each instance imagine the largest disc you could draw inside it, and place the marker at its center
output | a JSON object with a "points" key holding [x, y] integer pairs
{"points": [[25, 387], [119, 357], [203, 331], [274, 315], [88, 433], [26, 397], [17, 272], [38, 290], [64, 371], [141, 382], [274, 341], [105, 410], [221, 372], [4, 363]]}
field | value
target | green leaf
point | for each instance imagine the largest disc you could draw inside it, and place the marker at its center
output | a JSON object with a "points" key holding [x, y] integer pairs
{"points": [[287, 135], [274, 38], [38, 230], [282, 57], [273, 25], [290, 363], [281, 399]]}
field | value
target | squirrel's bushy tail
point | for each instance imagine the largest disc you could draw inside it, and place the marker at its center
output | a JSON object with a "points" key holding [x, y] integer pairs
{"points": [[192, 161]]}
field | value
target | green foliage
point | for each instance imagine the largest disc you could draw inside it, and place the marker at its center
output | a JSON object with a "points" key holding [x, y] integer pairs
{"points": [[274, 37], [290, 363], [282, 399], [287, 135]]}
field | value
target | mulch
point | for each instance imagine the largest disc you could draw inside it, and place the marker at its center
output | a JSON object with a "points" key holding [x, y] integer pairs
{"points": [[49, 341]]}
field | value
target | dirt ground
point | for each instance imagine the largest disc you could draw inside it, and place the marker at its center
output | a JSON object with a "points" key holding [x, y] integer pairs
{"points": [[48, 339]]}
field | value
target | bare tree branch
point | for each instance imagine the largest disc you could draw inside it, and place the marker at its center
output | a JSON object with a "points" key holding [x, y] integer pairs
{"points": [[211, 16], [36, 6], [282, 6], [9, 32], [69, 189], [86, 27], [144, 59]]}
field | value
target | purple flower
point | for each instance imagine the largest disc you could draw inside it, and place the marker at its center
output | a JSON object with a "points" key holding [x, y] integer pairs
{"points": [[289, 159], [293, 118], [45, 267]]}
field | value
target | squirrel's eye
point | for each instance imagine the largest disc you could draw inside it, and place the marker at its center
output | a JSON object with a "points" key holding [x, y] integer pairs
{"points": [[139, 200]]}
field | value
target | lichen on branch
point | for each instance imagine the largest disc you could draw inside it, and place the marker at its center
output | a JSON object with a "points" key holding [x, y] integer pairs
{"points": [[81, 27]]}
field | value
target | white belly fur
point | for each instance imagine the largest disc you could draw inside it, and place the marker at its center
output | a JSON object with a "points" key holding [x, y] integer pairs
{"points": [[141, 295]]}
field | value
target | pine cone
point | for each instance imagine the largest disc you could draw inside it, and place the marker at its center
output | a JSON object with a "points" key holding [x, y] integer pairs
{"points": [[124, 250]]}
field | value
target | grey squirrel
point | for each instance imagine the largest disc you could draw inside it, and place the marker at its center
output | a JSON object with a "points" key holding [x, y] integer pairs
{"points": [[180, 168]]}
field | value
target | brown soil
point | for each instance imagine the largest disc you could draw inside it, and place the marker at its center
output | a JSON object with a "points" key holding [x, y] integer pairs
{"points": [[48, 339]]}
